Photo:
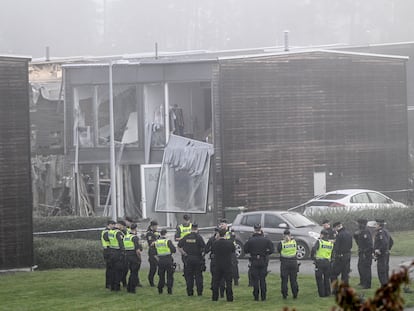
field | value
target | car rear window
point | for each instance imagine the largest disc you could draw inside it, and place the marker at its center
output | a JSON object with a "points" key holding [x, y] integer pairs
{"points": [[333, 196]]}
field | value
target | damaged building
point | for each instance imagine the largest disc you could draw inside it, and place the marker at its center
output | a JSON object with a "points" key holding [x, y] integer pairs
{"points": [[262, 131]]}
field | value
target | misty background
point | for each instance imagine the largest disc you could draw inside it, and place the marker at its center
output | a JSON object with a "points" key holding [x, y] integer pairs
{"points": [[107, 27]]}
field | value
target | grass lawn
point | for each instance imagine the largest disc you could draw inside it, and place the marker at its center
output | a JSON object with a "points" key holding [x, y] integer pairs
{"points": [[403, 243], [83, 289]]}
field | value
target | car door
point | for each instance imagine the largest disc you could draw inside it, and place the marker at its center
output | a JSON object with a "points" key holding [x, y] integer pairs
{"points": [[360, 201], [271, 229], [245, 228], [380, 201]]}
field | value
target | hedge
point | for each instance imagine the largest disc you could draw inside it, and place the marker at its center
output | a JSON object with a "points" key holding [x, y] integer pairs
{"points": [[60, 223], [52, 253], [397, 219]]}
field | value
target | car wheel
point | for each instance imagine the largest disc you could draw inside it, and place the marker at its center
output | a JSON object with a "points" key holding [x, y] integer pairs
{"points": [[302, 251], [239, 249]]}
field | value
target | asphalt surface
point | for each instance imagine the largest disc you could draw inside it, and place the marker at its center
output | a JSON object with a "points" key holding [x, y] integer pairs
{"points": [[306, 266]]}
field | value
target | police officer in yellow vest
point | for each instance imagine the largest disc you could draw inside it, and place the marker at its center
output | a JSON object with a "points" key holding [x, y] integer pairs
{"points": [[116, 244], [321, 255], [133, 251], [183, 229], [107, 252], [152, 236], [288, 264], [165, 248]]}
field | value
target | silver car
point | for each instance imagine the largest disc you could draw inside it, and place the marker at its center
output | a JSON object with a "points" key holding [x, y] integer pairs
{"points": [[273, 223]]}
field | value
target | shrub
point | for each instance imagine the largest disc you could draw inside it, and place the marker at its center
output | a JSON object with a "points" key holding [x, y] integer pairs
{"points": [[51, 253], [397, 219], [60, 223]]}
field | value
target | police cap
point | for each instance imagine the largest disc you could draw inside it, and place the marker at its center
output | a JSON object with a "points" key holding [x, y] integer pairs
{"points": [[186, 217], [111, 222], [324, 232], [121, 222], [163, 232], [362, 221], [380, 222], [134, 226], [257, 227], [336, 224], [286, 232], [194, 226], [153, 223]]}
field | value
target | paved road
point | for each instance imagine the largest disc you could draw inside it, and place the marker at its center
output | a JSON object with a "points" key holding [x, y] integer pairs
{"points": [[306, 267]]}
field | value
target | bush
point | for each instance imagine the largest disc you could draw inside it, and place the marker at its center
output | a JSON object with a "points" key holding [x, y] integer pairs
{"points": [[51, 253], [397, 219], [60, 223]]}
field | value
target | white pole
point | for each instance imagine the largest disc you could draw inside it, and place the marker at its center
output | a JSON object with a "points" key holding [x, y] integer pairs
{"points": [[112, 145], [167, 137]]}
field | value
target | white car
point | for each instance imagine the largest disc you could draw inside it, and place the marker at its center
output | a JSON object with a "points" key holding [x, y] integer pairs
{"points": [[349, 200]]}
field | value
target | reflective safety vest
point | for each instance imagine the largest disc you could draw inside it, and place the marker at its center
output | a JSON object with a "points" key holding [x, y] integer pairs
{"points": [[227, 236], [105, 243], [325, 250], [162, 248], [113, 242], [184, 230], [128, 242], [288, 249]]}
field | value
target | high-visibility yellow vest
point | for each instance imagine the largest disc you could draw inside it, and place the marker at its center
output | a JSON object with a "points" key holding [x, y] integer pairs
{"points": [[162, 248], [289, 249], [128, 242], [113, 242], [325, 250], [184, 230], [105, 243]]}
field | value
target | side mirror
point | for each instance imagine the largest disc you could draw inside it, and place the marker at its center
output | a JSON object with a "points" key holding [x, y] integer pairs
{"points": [[283, 225]]}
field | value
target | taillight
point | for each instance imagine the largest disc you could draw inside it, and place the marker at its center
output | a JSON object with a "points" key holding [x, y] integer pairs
{"points": [[335, 204]]}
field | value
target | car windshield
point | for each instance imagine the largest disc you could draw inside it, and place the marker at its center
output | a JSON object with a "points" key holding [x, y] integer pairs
{"points": [[298, 220], [333, 196]]}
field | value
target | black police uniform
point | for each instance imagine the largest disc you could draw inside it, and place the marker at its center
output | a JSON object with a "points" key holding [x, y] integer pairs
{"points": [[209, 250], [383, 243], [151, 237], [166, 268], [288, 271], [194, 248], [322, 267], [341, 264], [223, 250], [259, 248], [134, 264], [107, 257], [117, 261], [363, 239]]}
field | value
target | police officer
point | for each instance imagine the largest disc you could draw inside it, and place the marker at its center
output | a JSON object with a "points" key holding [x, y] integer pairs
{"points": [[183, 229], [363, 239], [383, 243], [321, 255], [288, 264], [192, 248], [341, 254], [326, 224], [223, 225], [259, 248], [223, 249], [107, 252], [209, 250], [165, 248], [152, 235], [116, 244], [133, 251]]}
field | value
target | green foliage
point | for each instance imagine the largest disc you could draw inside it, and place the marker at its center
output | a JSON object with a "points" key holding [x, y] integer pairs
{"points": [[60, 223], [83, 289], [51, 253], [397, 219]]}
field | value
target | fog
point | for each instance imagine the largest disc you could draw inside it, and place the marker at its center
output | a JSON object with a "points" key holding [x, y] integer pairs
{"points": [[106, 27]]}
